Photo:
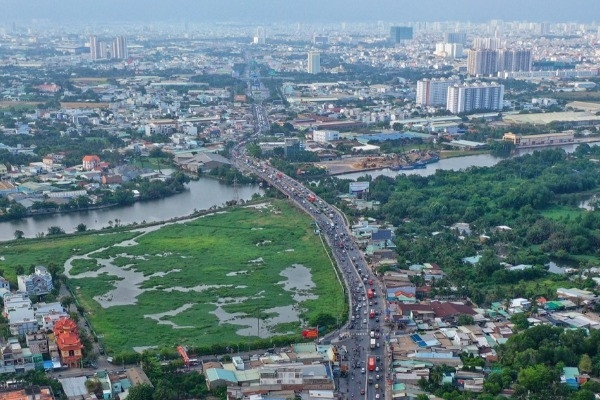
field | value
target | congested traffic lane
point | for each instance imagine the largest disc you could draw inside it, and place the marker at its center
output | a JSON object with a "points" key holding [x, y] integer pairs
{"points": [[364, 379]]}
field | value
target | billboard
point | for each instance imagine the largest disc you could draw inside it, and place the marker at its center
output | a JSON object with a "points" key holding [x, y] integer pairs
{"points": [[358, 187]]}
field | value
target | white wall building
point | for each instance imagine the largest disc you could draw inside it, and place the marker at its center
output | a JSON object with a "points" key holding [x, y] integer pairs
{"points": [[433, 92], [467, 98], [325, 136]]}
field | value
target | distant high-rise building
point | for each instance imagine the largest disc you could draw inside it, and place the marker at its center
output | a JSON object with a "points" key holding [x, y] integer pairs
{"points": [[320, 40], [433, 92], [261, 36], [400, 33], [94, 48], [487, 43], [482, 62], [119, 48], [314, 62], [515, 60], [475, 97], [455, 37], [449, 50]]}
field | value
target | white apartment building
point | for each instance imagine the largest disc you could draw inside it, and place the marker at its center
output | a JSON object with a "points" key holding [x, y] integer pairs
{"points": [[479, 96], [325, 136], [433, 92], [449, 50]]}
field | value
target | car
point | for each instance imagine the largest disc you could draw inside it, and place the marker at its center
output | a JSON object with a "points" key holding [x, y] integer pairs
{"points": [[376, 319], [363, 370], [364, 320], [376, 369], [362, 392], [376, 395], [377, 384]]}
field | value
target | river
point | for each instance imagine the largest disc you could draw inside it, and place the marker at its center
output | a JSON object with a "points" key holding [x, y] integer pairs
{"points": [[200, 195], [454, 164]]}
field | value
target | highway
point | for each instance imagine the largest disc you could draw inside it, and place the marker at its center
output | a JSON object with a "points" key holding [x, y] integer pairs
{"points": [[364, 334]]}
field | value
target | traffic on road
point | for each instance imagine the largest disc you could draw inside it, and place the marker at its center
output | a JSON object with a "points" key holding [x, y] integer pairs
{"points": [[363, 335]]}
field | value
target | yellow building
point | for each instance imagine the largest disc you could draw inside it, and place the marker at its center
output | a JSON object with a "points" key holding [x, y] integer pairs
{"points": [[546, 139]]}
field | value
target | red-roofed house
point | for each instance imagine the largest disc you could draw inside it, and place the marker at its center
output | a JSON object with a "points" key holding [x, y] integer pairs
{"points": [[90, 162], [68, 342]]}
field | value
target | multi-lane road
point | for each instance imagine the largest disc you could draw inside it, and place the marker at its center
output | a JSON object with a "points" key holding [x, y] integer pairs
{"points": [[364, 333]]}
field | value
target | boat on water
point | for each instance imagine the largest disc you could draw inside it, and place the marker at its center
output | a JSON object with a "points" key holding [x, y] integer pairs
{"points": [[416, 165]]}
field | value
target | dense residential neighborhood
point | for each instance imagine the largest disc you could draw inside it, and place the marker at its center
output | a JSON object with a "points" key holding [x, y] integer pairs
{"points": [[440, 181]]}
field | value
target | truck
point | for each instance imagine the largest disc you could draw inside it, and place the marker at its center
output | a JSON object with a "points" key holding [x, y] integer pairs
{"points": [[370, 293], [372, 313], [373, 343], [371, 364], [311, 198]]}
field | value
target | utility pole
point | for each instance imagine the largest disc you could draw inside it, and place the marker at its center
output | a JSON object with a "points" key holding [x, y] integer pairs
{"points": [[236, 194]]}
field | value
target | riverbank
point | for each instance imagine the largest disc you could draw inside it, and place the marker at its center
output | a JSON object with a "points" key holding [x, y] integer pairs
{"points": [[201, 194]]}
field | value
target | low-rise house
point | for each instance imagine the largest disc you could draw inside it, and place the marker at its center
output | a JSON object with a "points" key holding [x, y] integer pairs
{"points": [[20, 313], [15, 359], [4, 284], [28, 393], [90, 162], [573, 378], [38, 283]]}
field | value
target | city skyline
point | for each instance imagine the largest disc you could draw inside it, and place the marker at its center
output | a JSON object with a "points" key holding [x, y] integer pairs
{"points": [[309, 10]]}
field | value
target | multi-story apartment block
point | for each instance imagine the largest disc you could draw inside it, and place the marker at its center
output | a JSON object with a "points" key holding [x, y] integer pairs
{"points": [[467, 98], [433, 92]]}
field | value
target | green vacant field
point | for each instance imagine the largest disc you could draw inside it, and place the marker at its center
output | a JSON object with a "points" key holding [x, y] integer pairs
{"points": [[214, 277]]}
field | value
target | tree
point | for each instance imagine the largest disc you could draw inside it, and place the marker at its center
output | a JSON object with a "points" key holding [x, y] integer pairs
{"points": [[141, 391], [465, 319], [19, 234], [66, 301], [55, 230], [81, 227], [520, 321], [20, 270], [585, 363], [94, 386], [536, 378]]}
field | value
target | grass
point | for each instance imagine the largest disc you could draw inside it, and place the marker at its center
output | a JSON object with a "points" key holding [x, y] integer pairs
{"points": [[52, 250], [20, 105], [154, 163], [204, 251], [80, 266], [461, 153], [562, 212]]}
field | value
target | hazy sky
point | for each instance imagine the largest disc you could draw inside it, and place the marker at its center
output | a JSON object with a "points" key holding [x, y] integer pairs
{"points": [[300, 10]]}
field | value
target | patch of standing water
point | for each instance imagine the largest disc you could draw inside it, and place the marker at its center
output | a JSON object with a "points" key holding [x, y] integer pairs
{"points": [[159, 316], [299, 281]]}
